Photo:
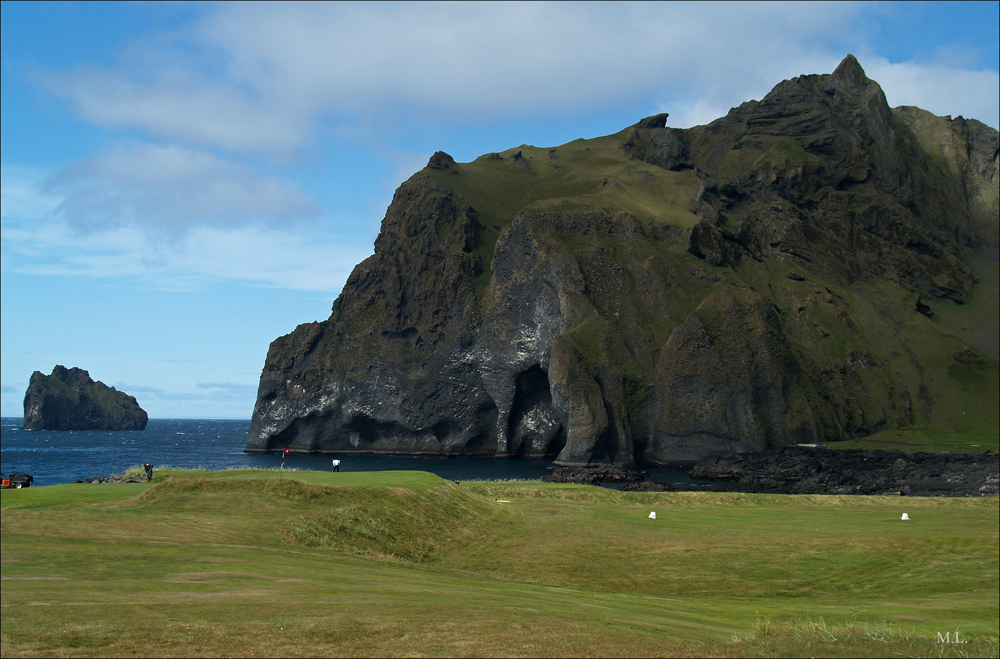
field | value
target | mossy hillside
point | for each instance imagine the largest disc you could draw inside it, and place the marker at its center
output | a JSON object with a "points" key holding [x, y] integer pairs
{"points": [[977, 322], [580, 176], [639, 290], [945, 141], [590, 172], [866, 338]]}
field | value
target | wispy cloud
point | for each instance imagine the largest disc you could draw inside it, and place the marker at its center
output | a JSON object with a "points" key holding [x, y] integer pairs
{"points": [[171, 189], [180, 105], [938, 88], [232, 389], [168, 243]]}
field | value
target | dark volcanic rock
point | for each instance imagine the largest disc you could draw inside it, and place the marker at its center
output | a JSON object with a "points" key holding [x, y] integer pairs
{"points": [[441, 160], [651, 141], [628, 299], [647, 486], [596, 474], [70, 400], [801, 470]]}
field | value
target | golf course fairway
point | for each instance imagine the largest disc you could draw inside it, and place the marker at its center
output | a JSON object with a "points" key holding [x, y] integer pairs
{"points": [[264, 563]]}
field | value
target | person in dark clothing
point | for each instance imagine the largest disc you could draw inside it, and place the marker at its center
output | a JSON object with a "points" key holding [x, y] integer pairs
{"points": [[149, 471]]}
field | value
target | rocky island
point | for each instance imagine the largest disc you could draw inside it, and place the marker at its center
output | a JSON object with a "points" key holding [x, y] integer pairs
{"points": [[812, 267], [69, 399]]}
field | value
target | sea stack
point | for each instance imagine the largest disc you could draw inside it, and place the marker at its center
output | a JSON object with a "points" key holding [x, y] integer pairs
{"points": [[70, 399]]}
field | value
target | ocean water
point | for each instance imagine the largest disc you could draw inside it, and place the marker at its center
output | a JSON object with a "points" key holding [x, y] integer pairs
{"points": [[54, 456]]}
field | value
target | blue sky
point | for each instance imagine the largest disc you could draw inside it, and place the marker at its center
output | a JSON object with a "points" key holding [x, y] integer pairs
{"points": [[183, 183]]}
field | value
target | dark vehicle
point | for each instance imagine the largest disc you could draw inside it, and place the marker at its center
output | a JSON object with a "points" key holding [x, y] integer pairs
{"points": [[17, 481]]}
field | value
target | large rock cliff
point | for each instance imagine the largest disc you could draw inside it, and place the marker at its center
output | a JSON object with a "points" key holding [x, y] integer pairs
{"points": [[70, 399], [808, 268]]}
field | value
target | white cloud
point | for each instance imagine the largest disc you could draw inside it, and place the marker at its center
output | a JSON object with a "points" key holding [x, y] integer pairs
{"points": [[939, 88], [171, 189], [180, 105], [511, 60], [274, 77], [276, 80], [41, 233]]}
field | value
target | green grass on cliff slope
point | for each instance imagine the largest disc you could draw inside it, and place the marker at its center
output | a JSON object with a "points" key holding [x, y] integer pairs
{"points": [[593, 174], [952, 406], [872, 329], [407, 564], [588, 175]]}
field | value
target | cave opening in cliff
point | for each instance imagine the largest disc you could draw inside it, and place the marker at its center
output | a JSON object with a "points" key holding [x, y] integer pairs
{"points": [[483, 437], [533, 429]]}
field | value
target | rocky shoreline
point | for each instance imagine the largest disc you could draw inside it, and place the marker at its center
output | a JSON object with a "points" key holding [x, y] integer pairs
{"points": [[114, 479], [634, 480], [795, 470], [801, 470]]}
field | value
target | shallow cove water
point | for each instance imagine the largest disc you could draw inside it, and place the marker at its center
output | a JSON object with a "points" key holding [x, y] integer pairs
{"points": [[54, 456]]}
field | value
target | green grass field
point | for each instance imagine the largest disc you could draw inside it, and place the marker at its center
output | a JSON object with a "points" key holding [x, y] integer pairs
{"points": [[924, 439], [243, 563]]}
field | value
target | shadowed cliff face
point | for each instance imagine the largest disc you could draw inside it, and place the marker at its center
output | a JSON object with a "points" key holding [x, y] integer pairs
{"points": [[69, 399], [788, 273]]}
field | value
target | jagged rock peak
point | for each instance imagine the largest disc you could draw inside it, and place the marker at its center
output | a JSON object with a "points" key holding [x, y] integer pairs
{"points": [[651, 141], [655, 121], [442, 161], [850, 69], [849, 82]]}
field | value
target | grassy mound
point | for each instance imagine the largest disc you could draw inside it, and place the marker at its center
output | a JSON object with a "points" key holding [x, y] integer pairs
{"points": [[398, 522], [413, 523]]}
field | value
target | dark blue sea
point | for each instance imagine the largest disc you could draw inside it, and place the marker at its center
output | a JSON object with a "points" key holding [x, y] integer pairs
{"points": [[66, 456]]}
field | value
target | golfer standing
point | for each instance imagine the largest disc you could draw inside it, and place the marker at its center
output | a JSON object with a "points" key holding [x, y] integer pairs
{"points": [[336, 464]]}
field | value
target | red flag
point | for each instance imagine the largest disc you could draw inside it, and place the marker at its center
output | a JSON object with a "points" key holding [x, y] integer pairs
{"points": [[287, 451]]}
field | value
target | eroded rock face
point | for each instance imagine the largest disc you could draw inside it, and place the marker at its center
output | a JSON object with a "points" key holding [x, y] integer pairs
{"points": [[69, 399], [512, 309]]}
